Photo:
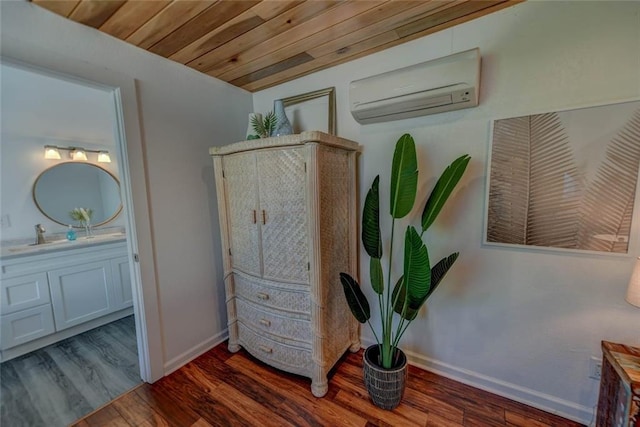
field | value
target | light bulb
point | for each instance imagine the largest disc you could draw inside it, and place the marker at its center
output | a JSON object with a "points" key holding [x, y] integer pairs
{"points": [[51, 152], [79, 154], [103, 157]]}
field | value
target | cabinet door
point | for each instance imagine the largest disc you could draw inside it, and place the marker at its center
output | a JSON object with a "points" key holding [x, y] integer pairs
{"points": [[26, 325], [242, 205], [81, 293], [283, 214], [19, 293], [123, 295]]}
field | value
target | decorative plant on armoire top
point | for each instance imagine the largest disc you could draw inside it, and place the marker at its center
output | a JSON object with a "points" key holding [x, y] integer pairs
{"points": [[384, 363]]}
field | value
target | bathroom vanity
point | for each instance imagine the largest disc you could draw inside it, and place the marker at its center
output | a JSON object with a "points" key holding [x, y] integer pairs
{"points": [[54, 291]]}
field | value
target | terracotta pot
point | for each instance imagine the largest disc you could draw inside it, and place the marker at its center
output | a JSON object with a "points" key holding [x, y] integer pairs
{"points": [[385, 386]]}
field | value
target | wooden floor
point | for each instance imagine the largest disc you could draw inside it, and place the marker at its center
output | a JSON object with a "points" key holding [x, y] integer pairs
{"points": [[224, 389], [58, 384]]}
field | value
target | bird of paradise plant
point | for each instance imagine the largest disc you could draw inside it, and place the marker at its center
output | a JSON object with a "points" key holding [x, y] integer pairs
{"points": [[419, 280]]}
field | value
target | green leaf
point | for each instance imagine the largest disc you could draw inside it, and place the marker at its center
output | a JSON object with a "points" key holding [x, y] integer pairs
{"points": [[417, 272], [439, 270], [441, 192], [270, 122], [375, 272], [437, 273], [399, 295], [371, 221], [409, 312], [355, 298], [257, 126], [404, 177]]}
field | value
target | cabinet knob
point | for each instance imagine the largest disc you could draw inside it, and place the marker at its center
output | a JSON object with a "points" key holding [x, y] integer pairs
{"points": [[263, 296], [265, 349], [255, 219], [265, 322], [264, 217]]}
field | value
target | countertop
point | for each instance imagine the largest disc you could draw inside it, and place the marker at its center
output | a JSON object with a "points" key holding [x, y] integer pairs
{"points": [[16, 250]]}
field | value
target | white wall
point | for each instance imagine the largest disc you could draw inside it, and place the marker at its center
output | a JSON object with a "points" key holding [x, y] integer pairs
{"points": [[523, 323], [182, 113], [39, 110]]}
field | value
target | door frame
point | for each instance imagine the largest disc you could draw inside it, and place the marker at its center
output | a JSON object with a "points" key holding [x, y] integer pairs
{"points": [[133, 177]]}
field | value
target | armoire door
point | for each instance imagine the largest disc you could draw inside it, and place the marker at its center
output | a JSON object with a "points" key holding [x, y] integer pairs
{"points": [[241, 192], [283, 214]]}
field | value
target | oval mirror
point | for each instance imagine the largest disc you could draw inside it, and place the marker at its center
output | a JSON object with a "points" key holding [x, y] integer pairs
{"points": [[66, 186]]}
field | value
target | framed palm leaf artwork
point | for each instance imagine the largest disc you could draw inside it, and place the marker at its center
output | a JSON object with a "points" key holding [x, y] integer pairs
{"points": [[566, 179]]}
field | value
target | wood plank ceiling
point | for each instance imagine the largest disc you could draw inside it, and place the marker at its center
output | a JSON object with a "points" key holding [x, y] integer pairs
{"points": [[258, 44]]}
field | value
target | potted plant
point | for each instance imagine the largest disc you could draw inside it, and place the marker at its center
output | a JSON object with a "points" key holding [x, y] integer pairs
{"points": [[83, 215], [385, 365], [263, 128]]}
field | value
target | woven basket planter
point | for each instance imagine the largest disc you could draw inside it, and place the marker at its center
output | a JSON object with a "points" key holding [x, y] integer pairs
{"points": [[385, 386]]}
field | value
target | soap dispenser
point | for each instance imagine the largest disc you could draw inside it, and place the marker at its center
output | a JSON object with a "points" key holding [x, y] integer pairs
{"points": [[71, 234]]}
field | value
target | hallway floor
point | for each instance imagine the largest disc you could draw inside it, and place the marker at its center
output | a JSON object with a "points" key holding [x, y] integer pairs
{"points": [[60, 383]]}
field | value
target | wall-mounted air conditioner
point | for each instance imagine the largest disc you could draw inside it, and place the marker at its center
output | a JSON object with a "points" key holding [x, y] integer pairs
{"points": [[443, 84]]}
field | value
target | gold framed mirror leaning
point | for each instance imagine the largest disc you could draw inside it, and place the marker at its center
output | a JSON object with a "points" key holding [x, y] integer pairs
{"points": [[70, 185], [312, 111]]}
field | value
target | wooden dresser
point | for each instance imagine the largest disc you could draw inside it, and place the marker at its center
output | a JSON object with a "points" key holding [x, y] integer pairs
{"points": [[289, 221], [619, 401]]}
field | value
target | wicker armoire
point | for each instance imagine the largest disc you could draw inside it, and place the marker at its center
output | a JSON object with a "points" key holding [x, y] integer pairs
{"points": [[289, 225]]}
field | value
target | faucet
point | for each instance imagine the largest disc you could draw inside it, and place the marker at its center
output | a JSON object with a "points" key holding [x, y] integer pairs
{"points": [[40, 230]]}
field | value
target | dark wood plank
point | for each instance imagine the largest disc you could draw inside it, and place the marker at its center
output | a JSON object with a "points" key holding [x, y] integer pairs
{"points": [[131, 16], [294, 61], [166, 21], [137, 411], [216, 38], [107, 416], [209, 19], [166, 405]]}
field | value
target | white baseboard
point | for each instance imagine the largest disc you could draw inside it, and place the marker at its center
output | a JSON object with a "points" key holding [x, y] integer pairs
{"points": [[542, 401], [186, 357]]}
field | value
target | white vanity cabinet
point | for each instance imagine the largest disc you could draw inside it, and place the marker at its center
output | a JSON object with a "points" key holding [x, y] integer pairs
{"points": [[288, 219], [50, 296]]}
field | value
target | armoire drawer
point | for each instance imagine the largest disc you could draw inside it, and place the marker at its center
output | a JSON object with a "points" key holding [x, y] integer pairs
{"points": [[292, 359], [279, 328], [260, 292]]}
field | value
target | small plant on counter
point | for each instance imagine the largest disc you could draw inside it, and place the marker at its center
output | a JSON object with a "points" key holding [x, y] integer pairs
{"points": [[82, 215], [263, 128]]}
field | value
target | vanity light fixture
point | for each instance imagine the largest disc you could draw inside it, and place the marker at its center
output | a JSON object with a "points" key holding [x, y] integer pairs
{"points": [[75, 153], [51, 152]]}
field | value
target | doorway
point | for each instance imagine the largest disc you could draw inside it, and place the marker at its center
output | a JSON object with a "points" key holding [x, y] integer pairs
{"points": [[123, 331]]}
